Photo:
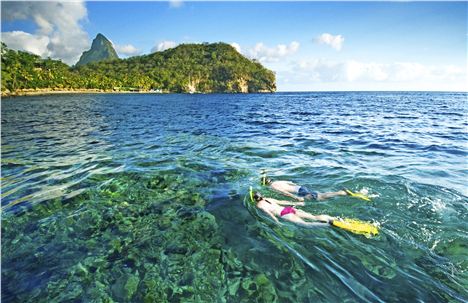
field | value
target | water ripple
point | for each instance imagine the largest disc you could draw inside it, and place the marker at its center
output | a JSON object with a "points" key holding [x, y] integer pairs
{"points": [[407, 149]]}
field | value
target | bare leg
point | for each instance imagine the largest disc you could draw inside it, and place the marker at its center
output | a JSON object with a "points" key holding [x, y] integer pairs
{"points": [[322, 218], [297, 220], [323, 196]]}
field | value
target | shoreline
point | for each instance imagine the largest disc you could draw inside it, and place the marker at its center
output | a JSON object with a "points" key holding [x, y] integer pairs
{"points": [[44, 92]]}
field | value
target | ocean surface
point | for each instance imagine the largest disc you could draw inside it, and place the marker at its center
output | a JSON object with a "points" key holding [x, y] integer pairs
{"points": [[143, 198]]}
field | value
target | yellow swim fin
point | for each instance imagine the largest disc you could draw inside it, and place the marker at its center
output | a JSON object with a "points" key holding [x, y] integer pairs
{"points": [[357, 195], [357, 227]]}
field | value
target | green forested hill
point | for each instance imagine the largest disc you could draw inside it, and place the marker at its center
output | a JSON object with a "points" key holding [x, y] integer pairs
{"points": [[216, 67]]}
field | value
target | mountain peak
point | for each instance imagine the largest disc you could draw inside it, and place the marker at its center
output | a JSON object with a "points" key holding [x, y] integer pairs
{"points": [[101, 50]]}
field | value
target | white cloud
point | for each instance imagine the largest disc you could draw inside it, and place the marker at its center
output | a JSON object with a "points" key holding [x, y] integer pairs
{"points": [[19, 40], [162, 46], [175, 3], [236, 46], [127, 49], [58, 24], [355, 70], [354, 75], [331, 71], [263, 53], [335, 42]]}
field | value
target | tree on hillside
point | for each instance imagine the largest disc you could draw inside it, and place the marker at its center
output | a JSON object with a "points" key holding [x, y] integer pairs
{"points": [[216, 67]]}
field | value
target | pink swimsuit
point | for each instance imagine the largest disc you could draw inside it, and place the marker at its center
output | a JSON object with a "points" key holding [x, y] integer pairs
{"points": [[288, 210]]}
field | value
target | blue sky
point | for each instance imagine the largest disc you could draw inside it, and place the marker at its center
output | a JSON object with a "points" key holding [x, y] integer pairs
{"points": [[310, 45]]}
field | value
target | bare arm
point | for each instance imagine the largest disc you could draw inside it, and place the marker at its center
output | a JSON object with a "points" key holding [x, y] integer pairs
{"points": [[266, 210], [273, 216], [281, 202], [289, 194]]}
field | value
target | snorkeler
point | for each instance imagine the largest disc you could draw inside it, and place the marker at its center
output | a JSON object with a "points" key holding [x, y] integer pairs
{"points": [[298, 192], [276, 210]]}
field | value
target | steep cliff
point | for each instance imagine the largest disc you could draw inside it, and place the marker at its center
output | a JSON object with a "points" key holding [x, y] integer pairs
{"points": [[101, 50]]}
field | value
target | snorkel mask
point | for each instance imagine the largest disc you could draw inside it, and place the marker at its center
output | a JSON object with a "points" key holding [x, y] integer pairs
{"points": [[254, 197]]}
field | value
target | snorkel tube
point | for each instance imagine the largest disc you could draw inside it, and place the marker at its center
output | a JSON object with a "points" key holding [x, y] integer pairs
{"points": [[264, 178], [251, 195]]}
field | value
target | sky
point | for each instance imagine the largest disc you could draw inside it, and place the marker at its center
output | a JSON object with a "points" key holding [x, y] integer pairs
{"points": [[311, 46]]}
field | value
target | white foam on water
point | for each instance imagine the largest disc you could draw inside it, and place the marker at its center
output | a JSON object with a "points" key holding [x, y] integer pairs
{"points": [[365, 191], [438, 205], [435, 244]]}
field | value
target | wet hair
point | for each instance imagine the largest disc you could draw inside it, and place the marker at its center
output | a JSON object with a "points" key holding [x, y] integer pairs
{"points": [[257, 196]]}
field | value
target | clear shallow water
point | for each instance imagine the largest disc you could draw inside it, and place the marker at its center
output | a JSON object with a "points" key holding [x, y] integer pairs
{"points": [[74, 154]]}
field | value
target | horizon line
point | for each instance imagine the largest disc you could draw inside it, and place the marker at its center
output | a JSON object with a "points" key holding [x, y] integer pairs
{"points": [[371, 91]]}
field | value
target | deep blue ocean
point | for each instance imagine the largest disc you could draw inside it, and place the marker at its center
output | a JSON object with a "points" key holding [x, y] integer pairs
{"points": [[68, 160]]}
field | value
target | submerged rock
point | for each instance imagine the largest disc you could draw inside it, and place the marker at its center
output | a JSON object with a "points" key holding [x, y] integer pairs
{"points": [[135, 239]]}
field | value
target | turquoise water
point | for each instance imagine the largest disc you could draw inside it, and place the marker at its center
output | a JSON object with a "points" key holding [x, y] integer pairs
{"points": [[132, 198]]}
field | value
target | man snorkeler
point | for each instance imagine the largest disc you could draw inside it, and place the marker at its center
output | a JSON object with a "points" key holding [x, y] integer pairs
{"points": [[298, 192]]}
